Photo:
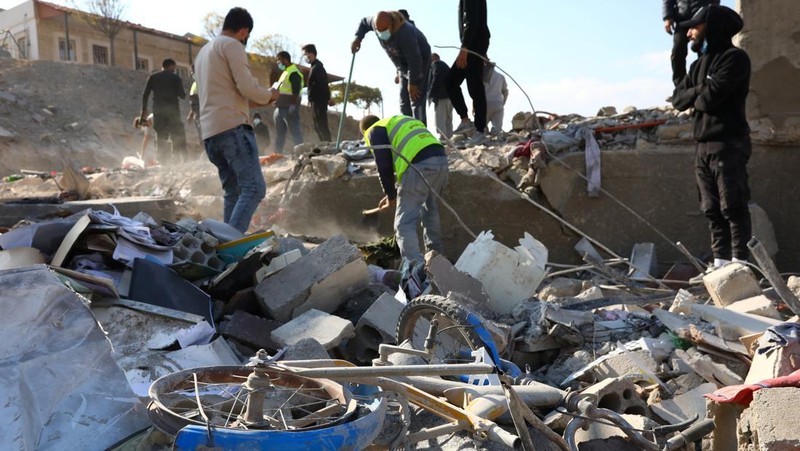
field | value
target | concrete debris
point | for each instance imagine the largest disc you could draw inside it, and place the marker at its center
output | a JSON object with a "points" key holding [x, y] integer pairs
{"points": [[769, 423], [328, 330], [684, 407], [731, 283], [329, 167]]}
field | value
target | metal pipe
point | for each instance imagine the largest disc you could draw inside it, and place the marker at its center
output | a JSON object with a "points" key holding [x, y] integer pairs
{"points": [[344, 104], [396, 370], [773, 276]]}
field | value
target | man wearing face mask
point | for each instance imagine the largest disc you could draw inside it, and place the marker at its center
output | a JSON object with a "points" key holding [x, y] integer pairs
{"points": [[226, 87], [287, 108], [319, 94], [716, 88], [410, 52]]}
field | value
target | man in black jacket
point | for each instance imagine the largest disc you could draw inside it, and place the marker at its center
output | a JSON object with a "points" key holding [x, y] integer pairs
{"points": [[166, 87], [437, 93], [474, 32], [319, 94], [674, 12], [716, 87]]}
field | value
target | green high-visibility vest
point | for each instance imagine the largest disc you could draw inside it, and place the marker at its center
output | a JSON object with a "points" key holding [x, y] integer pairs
{"points": [[408, 137], [284, 85]]}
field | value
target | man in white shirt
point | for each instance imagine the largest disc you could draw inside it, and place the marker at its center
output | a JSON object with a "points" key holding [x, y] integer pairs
{"points": [[226, 88]]}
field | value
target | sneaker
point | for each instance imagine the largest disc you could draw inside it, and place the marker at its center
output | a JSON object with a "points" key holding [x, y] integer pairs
{"points": [[464, 126], [477, 139]]}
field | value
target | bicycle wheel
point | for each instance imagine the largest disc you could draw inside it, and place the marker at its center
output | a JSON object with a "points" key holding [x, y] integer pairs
{"points": [[455, 339], [247, 398]]}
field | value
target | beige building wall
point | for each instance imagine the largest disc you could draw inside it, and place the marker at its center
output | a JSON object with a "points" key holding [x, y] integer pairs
{"points": [[771, 36]]}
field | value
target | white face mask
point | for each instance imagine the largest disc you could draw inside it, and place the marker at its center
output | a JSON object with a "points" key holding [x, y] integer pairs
{"points": [[384, 35], [256, 121]]}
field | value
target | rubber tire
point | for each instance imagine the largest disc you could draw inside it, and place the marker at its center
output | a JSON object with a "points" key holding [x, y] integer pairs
{"points": [[437, 305]]}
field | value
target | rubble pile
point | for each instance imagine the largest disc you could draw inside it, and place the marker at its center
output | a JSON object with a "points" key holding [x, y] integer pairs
{"points": [[610, 339]]}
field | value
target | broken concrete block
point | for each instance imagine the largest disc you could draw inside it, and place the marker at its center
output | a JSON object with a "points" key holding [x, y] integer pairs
{"points": [[590, 294], [329, 167], [733, 325], [617, 394], [306, 349], [603, 436], [378, 324], [277, 263], [560, 287], [629, 362], [794, 284], [780, 361], [733, 282], [758, 305], [685, 406], [770, 423], [328, 330], [447, 279], [713, 372], [250, 329], [606, 111], [324, 279]]}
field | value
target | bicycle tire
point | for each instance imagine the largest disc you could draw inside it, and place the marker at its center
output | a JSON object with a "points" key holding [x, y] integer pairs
{"points": [[453, 327]]}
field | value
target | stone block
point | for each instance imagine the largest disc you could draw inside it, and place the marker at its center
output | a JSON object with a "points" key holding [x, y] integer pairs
{"points": [[629, 362], [733, 282], [329, 167], [685, 406], [757, 305], [561, 287], [277, 263], [250, 329], [323, 280], [378, 324], [328, 330], [306, 349], [770, 423]]}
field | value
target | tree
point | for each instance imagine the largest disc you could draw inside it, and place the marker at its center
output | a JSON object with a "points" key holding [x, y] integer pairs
{"points": [[361, 96], [212, 25], [271, 44], [106, 17]]}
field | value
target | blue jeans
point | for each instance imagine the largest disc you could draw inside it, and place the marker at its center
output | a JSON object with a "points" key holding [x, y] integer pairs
{"points": [[415, 202], [414, 108], [235, 155], [287, 117]]}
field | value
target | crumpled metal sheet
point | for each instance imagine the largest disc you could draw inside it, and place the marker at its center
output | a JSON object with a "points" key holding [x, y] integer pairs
{"points": [[60, 387]]}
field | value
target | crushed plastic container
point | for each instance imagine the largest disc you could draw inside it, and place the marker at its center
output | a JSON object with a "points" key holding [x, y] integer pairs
{"points": [[509, 276]]}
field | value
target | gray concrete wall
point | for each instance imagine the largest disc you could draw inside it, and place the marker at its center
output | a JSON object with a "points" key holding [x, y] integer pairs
{"points": [[658, 185], [771, 36]]}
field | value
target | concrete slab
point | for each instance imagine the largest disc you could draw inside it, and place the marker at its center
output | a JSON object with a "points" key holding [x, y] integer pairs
{"points": [[328, 330], [685, 406], [251, 330], [630, 362], [323, 280], [733, 282], [379, 323], [447, 278], [758, 305]]}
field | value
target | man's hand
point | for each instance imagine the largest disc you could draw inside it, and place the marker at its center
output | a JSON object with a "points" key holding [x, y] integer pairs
{"points": [[385, 203], [413, 92], [461, 61], [397, 79], [190, 118], [668, 25], [356, 45]]}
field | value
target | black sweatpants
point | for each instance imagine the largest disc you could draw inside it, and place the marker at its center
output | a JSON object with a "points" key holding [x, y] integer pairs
{"points": [[320, 114], [168, 125], [680, 43], [721, 172], [474, 75]]}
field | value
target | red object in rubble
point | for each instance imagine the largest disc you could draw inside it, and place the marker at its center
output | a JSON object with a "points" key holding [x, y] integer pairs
{"points": [[743, 394]]}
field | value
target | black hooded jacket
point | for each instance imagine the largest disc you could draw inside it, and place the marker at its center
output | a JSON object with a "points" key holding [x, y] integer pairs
{"points": [[718, 82], [679, 10]]}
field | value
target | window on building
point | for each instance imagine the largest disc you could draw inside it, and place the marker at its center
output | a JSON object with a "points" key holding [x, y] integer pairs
{"points": [[143, 64], [22, 46], [100, 54], [62, 49], [183, 72]]}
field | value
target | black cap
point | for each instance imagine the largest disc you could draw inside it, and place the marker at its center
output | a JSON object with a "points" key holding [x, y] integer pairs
{"points": [[699, 17]]}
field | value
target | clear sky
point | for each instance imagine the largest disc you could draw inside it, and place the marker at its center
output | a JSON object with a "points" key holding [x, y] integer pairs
{"points": [[570, 56]]}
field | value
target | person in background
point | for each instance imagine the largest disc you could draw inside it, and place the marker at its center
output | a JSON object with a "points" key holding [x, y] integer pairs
{"points": [[261, 131], [674, 12], [474, 33], [716, 89], [194, 107], [167, 88], [226, 87], [496, 96], [319, 93], [437, 93], [415, 199], [410, 52], [287, 108]]}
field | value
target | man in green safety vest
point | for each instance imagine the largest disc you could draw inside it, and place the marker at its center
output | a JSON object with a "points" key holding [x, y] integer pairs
{"points": [[395, 142], [287, 107]]}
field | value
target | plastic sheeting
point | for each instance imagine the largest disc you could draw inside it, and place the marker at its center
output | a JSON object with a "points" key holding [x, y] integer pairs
{"points": [[60, 387]]}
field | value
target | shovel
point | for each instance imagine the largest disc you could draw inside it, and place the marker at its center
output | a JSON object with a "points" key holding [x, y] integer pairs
{"points": [[371, 218]]}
